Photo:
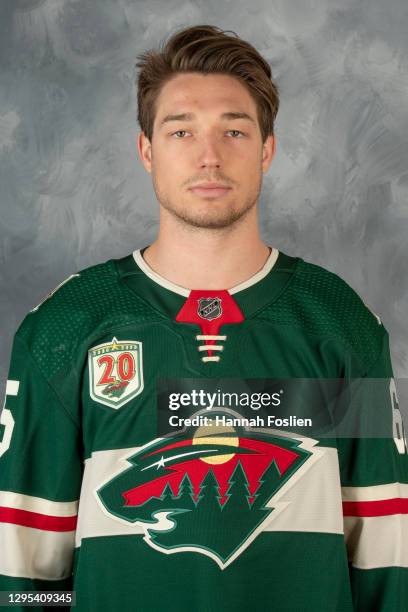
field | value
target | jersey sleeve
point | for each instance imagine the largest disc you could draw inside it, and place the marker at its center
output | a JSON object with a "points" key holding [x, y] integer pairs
{"points": [[374, 479], [40, 479]]}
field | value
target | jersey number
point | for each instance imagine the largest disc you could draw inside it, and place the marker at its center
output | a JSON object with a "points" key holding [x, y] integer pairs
{"points": [[397, 422], [6, 418]]}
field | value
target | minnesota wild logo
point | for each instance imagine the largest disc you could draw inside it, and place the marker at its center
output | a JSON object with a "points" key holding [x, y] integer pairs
{"points": [[115, 372], [211, 492]]}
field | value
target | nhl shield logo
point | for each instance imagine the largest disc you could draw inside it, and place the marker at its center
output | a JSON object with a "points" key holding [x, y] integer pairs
{"points": [[209, 308], [115, 372]]}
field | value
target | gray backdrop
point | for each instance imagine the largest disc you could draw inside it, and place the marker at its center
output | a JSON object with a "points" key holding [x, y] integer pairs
{"points": [[73, 192]]}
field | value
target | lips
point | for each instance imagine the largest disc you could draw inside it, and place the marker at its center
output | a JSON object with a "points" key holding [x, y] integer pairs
{"points": [[212, 190]]}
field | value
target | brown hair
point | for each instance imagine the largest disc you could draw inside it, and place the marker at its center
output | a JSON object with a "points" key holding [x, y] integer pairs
{"points": [[206, 49]]}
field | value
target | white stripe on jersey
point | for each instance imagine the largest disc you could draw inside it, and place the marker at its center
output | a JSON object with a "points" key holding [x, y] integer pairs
{"points": [[375, 492], [377, 541], [9, 499], [34, 553]]}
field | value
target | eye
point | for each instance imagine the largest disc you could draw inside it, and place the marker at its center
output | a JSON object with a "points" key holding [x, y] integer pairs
{"points": [[178, 132], [236, 132]]}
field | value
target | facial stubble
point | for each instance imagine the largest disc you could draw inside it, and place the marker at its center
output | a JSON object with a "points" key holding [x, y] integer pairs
{"points": [[217, 214]]}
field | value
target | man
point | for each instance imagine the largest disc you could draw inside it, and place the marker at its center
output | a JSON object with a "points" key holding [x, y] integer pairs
{"points": [[96, 494]]}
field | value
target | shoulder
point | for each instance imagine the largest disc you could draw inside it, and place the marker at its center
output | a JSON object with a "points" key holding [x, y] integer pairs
{"points": [[332, 291], [85, 304], [74, 295], [66, 314], [324, 303]]}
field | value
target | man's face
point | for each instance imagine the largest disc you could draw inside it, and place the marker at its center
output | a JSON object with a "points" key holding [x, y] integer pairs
{"points": [[206, 131]]}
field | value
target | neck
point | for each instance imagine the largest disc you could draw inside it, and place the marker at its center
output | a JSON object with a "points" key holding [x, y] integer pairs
{"points": [[198, 258]]}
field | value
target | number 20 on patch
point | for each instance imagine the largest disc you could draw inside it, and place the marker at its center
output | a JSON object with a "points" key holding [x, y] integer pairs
{"points": [[115, 372]]}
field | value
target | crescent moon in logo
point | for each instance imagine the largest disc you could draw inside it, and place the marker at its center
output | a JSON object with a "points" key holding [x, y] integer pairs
{"points": [[212, 434]]}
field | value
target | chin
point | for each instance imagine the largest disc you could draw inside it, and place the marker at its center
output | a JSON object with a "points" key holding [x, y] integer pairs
{"points": [[212, 221]]}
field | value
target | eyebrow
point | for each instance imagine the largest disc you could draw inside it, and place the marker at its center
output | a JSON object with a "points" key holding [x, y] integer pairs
{"points": [[191, 116]]}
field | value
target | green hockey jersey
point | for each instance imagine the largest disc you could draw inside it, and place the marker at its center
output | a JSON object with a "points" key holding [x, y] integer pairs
{"points": [[97, 498]]}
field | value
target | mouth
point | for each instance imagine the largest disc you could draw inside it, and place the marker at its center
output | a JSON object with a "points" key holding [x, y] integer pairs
{"points": [[210, 192]]}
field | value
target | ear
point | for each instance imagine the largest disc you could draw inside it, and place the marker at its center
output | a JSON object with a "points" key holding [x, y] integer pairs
{"points": [[268, 152], [144, 148]]}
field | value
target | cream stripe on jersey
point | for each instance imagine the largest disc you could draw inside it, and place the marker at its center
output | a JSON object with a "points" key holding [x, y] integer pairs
{"points": [[375, 492], [9, 499], [160, 280], [377, 541], [33, 553]]}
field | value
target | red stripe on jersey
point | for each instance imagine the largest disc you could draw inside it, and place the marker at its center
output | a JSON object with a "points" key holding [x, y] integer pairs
{"points": [[382, 507], [37, 521]]}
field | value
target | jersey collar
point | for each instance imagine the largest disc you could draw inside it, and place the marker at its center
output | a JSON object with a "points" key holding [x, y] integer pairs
{"points": [[168, 298], [160, 280]]}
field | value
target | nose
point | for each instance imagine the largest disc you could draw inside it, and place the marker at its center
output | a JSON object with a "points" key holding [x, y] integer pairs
{"points": [[210, 154]]}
